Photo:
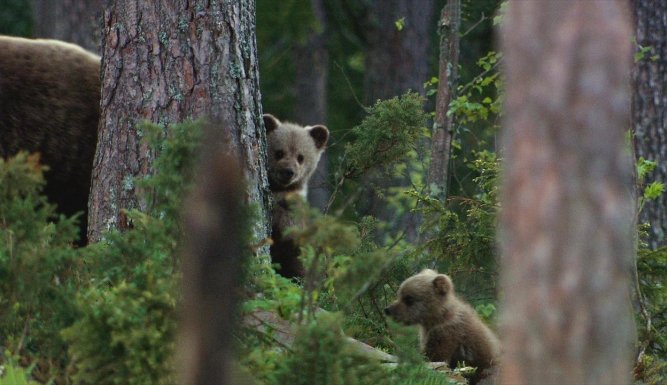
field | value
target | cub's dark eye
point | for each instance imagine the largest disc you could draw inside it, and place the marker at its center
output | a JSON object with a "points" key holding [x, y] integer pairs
{"points": [[279, 154], [299, 158], [408, 300]]}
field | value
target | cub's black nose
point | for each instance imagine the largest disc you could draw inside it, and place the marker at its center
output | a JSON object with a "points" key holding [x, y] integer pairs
{"points": [[286, 174]]}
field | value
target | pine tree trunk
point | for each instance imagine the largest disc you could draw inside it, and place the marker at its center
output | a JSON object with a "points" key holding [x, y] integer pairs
{"points": [[312, 71], [567, 212], [75, 21], [649, 108], [166, 61], [397, 60]]}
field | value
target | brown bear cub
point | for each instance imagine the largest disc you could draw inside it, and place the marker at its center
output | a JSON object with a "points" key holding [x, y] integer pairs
{"points": [[294, 152], [450, 329], [50, 103]]}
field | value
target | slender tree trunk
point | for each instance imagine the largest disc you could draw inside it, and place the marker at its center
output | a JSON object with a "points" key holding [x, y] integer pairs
{"points": [[566, 218], [450, 20], [165, 61], [649, 108], [212, 267], [312, 71], [75, 21]]}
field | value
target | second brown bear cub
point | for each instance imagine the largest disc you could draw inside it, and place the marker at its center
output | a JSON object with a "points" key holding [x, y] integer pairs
{"points": [[451, 331], [294, 152]]}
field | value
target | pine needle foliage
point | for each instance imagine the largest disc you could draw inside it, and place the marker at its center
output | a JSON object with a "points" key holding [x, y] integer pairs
{"points": [[37, 263], [127, 328]]}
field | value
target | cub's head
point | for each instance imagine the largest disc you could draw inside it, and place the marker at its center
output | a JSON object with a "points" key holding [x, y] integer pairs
{"points": [[293, 153], [421, 298]]}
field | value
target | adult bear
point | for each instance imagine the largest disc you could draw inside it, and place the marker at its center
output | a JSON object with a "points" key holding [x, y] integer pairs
{"points": [[50, 103]]}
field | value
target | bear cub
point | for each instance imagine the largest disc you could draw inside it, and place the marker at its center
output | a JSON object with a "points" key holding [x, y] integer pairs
{"points": [[293, 154], [450, 329]]}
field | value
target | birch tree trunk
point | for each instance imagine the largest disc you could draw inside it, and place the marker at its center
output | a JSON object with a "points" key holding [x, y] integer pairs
{"points": [[165, 61], [566, 207], [649, 108]]}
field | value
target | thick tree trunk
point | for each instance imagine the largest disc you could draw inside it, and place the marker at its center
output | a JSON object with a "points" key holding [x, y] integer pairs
{"points": [[75, 21], [166, 61], [566, 218], [312, 71], [649, 108], [447, 75], [397, 60]]}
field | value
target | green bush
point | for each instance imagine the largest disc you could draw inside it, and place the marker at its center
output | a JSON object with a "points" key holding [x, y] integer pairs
{"points": [[38, 267], [126, 331]]}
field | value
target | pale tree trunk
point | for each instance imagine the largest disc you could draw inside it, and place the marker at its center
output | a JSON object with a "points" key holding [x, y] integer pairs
{"points": [[166, 61], [312, 71], [450, 20], [566, 206], [649, 108], [75, 21]]}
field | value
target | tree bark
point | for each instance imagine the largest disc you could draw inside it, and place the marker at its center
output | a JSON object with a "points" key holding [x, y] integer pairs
{"points": [[312, 72], [566, 218], [397, 61], [75, 21], [450, 20], [649, 113], [166, 61]]}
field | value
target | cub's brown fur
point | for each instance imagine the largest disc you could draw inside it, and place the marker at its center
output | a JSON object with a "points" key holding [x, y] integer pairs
{"points": [[451, 330], [294, 152], [49, 103]]}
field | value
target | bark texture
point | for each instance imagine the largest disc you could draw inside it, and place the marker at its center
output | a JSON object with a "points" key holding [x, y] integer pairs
{"points": [[166, 61], [397, 61], [649, 108], [450, 21], [567, 209], [312, 72], [74, 21]]}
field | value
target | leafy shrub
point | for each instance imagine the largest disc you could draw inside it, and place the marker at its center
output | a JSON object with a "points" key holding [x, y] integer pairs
{"points": [[37, 264], [126, 331]]}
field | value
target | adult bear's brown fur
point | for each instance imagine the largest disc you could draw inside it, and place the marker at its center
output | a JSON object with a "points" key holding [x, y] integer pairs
{"points": [[49, 103], [451, 330]]}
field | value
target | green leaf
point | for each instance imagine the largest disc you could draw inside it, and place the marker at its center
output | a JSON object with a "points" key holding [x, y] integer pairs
{"points": [[644, 166], [400, 23], [654, 190]]}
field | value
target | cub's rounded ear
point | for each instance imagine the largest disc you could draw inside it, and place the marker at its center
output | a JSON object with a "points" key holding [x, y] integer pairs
{"points": [[320, 135], [270, 122], [442, 284]]}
